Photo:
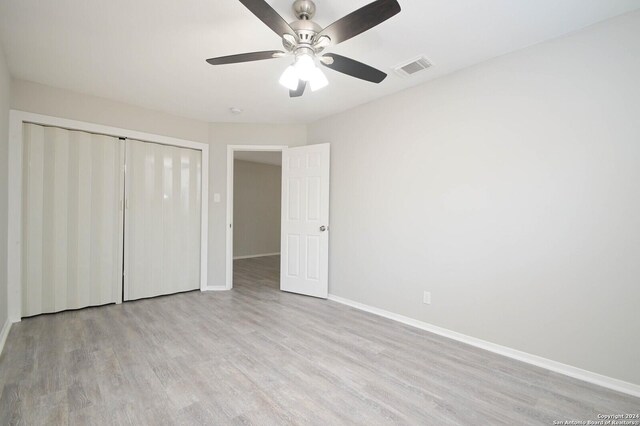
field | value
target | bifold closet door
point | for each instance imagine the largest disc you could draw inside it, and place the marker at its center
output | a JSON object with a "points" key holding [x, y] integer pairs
{"points": [[162, 221], [72, 220]]}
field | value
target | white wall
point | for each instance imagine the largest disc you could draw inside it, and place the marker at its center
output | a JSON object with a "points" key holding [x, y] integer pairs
{"points": [[511, 191], [256, 208], [41, 99], [5, 85], [37, 98]]}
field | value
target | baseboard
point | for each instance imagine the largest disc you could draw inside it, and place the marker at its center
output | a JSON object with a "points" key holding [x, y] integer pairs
{"points": [[216, 288], [558, 367], [4, 334], [256, 255]]}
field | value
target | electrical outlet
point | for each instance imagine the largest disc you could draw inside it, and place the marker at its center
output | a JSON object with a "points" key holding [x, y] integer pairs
{"points": [[426, 298]]}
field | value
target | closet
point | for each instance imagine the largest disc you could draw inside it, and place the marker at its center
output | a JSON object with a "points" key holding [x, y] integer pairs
{"points": [[106, 219]]}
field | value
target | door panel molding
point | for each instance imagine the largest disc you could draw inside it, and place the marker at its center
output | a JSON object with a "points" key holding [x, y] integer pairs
{"points": [[305, 220]]}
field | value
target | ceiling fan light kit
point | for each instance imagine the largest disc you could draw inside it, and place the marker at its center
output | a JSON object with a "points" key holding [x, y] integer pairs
{"points": [[305, 40]]}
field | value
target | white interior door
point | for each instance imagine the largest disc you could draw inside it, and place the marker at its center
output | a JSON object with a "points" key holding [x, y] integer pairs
{"points": [[72, 220], [162, 220], [305, 220]]}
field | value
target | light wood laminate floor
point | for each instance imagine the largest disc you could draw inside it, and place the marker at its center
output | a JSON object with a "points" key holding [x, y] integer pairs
{"points": [[258, 356]]}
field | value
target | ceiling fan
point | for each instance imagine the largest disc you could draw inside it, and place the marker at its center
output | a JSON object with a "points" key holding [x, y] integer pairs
{"points": [[306, 40]]}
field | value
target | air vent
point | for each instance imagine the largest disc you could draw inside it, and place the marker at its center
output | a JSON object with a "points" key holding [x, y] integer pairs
{"points": [[408, 69]]}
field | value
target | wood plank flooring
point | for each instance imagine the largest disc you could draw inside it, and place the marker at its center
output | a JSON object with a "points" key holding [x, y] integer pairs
{"points": [[258, 356]]}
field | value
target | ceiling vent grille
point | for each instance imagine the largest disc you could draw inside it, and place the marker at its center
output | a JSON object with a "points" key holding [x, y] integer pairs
{"points": [[412, 67]]}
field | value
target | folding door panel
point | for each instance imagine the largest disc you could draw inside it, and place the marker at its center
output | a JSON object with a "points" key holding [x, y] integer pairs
{"points": [[72, 220], [162, 221]]}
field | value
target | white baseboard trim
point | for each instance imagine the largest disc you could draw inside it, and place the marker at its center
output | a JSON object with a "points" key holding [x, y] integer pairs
{"points": [[4, 334], [216, 288], [558, 367], [256, 255]]}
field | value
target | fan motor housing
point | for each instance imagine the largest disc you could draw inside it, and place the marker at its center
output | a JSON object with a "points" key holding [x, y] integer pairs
{"points": [[306, 30]]}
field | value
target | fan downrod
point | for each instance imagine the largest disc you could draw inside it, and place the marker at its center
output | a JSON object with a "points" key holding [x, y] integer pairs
{"points": [[304, 9]]}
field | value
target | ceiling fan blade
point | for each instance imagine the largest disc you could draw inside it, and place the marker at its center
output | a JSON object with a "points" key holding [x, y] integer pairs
{"points": [[269, 16], [353, 68], [245, 57], [299, 91], [361, 20]]}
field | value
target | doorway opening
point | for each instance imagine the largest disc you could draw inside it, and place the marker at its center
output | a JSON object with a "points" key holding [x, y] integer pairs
{"points": [[304, 222], [254, 199]]}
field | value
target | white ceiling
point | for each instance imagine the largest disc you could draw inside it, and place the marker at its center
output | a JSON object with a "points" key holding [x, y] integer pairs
{"points": [[152, 53], [273, 158]]}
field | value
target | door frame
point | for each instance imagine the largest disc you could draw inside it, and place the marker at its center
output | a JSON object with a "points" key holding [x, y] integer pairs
{"points": [[14, 234], [231, 150]]}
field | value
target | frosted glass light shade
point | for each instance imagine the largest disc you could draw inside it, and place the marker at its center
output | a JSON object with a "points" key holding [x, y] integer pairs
{"points": [[289, 78], [305, 66], [318, 80]]}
